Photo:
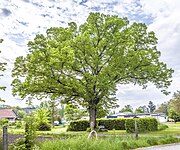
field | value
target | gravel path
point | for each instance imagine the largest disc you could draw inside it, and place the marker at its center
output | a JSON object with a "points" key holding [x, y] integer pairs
{"points": [[175, 146]]}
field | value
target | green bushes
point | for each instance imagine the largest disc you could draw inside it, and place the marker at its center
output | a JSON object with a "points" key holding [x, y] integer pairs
{"points": [[110, 124], [162, 126], [82, 125], [144, 124], [4, 122], [42, 126], [78, 125]]}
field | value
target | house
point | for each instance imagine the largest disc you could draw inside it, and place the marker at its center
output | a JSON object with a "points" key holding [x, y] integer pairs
{"points": [[159, 116], [29, 110], [8, 114]]}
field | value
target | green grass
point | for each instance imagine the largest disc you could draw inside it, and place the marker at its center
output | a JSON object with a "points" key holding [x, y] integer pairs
{"points": [[106, 143], [173, 130]]}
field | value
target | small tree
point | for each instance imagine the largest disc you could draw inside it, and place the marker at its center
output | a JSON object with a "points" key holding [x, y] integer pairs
{"points": [[151, 106], [174, 115], [127, 108], [163, 108], [175, 102]]}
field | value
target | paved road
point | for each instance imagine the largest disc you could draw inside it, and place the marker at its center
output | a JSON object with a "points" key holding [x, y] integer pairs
{"points": [[175, 146]]}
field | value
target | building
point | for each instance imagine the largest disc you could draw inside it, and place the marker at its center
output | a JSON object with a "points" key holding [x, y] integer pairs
{"points": [[159, 116], [8, 114]]}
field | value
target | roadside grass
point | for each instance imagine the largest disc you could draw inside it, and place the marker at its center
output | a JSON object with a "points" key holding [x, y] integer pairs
{"points": [[105, 143]]}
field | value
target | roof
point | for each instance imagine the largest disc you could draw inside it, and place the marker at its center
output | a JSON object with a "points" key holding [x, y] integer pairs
{"points": [[7, 113]]}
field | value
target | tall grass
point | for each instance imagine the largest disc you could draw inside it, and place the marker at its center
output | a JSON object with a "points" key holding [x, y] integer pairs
{"points": [[1, 142], [106, 143]]}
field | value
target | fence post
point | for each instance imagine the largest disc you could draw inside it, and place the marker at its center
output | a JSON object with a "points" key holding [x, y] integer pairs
{"points": [[5, 138], [136, 129]]}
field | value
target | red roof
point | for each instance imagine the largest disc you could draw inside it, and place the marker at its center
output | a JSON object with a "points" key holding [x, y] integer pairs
{"points": [[7, 113]]}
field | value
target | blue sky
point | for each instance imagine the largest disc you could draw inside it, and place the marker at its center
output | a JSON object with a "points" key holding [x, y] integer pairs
{"points": [[21, 20]]}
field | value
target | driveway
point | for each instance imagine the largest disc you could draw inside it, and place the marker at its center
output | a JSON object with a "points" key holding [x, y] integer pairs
{"points": [[175, 146]]}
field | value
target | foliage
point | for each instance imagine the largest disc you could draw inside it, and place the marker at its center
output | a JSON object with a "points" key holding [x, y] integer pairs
{"points": [[41, 115], [19, 124], [72, 112], [175, 102], [110, 124], [127, 108], [109, 143], [78, 125], [85, 64], [3, 122], [43, 126], [163, 108], [2, 69], [151, 106], [142, 109], [144, 124], [174, 115], [30, 129], [51, 105], [162, 126]]}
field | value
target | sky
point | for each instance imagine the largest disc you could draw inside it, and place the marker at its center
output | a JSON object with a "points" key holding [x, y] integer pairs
{"points": [[21, 20]]}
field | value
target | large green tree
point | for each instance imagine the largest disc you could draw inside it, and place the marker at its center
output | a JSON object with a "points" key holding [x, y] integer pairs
{"points": [[84, 64], [2, 69]]}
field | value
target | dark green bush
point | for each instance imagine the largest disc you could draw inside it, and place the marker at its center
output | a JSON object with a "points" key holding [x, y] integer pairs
{"points": [[78, 125], [42, 126], [110, 124], [143, 124]]}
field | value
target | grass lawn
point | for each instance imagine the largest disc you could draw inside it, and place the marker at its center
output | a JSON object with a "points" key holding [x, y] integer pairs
{"points": [[174, 130]]}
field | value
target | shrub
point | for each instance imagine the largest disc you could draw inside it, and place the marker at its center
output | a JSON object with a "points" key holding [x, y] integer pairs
{"points": [[43, 126], [110, 124], [19, 124], [4, 122], [78, 125], [162, 126], [143, 124]]}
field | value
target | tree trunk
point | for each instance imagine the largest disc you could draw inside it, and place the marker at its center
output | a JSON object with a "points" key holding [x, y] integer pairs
{"points": [[92, 117]]}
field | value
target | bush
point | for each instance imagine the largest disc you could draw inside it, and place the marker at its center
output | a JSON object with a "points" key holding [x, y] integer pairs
{"points": [[162, 126], [110, 124], [42, 126], [19, 124], [143, 124], [4, 122], [78, 125]]}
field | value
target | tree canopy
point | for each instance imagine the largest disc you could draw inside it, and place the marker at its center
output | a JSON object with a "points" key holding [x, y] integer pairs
{"points": [[127, 108], [84, 64]]}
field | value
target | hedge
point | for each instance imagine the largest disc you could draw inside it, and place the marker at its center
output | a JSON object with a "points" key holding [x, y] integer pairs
{"points": [[82, 125], [143, 124], [78, 125], [110, 124]]}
